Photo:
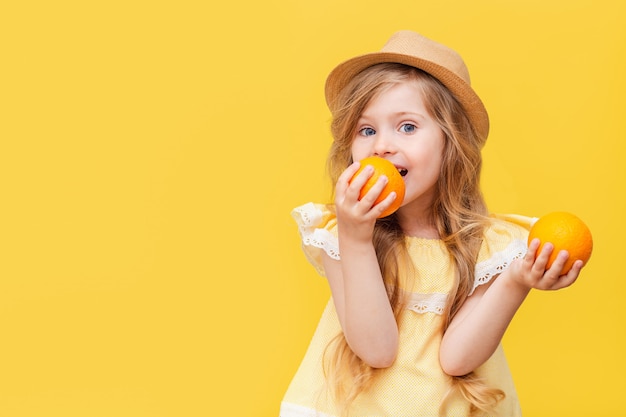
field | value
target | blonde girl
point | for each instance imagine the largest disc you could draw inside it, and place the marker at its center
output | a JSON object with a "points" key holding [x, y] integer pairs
{"points": [[421, 298]]}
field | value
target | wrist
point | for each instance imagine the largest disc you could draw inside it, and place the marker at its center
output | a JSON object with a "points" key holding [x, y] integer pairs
{"points": [[354, 239], [512, 285], [355, 247]]}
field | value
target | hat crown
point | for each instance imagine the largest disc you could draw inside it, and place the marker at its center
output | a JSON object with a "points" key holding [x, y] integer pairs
{"points": [[413, 44], [412, 49]]}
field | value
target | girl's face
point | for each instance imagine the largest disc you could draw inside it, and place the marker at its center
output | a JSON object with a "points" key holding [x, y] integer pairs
{"points": [[396, 126]]}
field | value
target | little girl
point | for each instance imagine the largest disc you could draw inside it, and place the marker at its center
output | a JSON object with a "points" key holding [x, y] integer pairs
{"points": [[421, 298]]}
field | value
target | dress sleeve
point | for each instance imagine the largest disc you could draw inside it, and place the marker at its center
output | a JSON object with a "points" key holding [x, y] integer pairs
{"points": [[505, 240], [317, 226]]}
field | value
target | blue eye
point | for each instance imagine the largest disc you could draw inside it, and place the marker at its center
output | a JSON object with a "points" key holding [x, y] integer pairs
{"points": [[408, 128], [367, 131]]}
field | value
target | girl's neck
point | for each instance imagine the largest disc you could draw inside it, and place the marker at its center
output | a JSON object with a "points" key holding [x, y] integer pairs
{"points": [[418, 225]]}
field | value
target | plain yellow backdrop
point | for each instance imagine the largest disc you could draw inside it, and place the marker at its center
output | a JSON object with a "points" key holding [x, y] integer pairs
{"points": [[151, 152]]}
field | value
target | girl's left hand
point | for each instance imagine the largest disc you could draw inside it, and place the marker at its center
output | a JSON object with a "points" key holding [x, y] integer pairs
{"points": [[530, 271]]}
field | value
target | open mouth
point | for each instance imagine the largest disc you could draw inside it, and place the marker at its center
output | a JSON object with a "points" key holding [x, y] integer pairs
{"points": [[403, 171]]}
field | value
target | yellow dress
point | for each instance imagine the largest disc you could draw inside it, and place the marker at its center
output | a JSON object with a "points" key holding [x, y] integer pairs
{"points": [[415, 384]]}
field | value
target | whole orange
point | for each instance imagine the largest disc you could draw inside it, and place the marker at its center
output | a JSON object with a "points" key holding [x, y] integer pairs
{"points": [[564, 231], [396, 183]]}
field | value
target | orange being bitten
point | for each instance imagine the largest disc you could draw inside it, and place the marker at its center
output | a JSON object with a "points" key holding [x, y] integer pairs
{"points": [[395, 182]]}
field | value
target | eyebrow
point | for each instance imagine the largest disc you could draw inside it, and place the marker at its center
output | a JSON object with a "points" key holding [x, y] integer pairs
{"points": [[398, 114], [404, 113]]}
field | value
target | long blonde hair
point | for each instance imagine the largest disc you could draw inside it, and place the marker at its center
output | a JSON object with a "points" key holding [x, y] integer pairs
{"points": [[459, 214]]}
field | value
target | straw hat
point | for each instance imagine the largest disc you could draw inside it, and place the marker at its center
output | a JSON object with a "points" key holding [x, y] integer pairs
{"points": [[410, 48]]}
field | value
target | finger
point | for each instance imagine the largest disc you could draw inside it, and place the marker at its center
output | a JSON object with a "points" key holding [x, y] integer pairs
{"points": [[374, 192], [532, 250], [348, 173], [552, 278], [559, 262], [356, 182], [541, 259], [385, 204], [572, 275]]}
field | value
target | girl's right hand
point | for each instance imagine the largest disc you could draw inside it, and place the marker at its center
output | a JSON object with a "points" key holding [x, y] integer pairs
{"points": [[358, 217]]}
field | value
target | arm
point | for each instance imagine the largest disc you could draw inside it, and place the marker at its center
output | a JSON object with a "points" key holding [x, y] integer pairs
{"points": [[478, 327], [356, 281]]}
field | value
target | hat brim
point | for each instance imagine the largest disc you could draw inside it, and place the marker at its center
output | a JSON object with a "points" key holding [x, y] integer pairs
{"points": [[471, 103]]}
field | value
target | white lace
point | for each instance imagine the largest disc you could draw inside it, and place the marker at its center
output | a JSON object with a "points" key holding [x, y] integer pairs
{"points": [[308, 217], [499, 261], [427, 303]]}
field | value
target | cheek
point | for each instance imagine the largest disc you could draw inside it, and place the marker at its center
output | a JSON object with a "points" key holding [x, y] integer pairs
{"points": [[431, 164], [358, 152]]}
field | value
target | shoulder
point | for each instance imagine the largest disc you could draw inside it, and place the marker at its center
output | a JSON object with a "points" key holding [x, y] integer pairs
{"points": [[314, 215], [502, 231], [317, 225], [504, 240]]}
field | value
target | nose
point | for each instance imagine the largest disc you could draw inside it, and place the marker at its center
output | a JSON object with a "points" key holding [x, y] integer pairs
{"points": [[383, 144]]}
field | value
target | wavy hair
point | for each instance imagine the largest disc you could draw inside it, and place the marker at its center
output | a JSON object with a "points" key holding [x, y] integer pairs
{"points": [[458, 212]]}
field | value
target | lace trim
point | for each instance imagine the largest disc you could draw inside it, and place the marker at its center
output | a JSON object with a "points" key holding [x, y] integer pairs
{"points": [[427, 303], [308, 217], [294, 410], [498, 262]]}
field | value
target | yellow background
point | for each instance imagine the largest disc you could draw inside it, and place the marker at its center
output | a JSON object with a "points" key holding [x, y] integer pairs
{"points": [[151, 152]]}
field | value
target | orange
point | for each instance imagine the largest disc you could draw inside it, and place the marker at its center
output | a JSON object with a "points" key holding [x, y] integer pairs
{"points": [[564, 231], [396, 183]]}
